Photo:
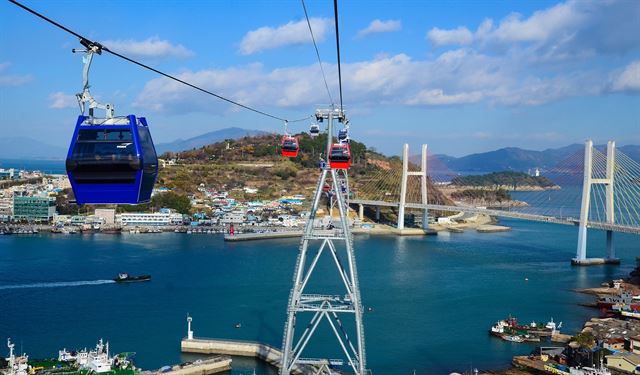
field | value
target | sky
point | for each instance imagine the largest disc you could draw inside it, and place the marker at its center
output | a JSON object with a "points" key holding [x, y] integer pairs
{"points": [[460, 76]]}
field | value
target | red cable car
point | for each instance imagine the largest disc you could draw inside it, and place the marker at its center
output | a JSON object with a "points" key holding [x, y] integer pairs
{"points": [[340, 156], [290, 146]]}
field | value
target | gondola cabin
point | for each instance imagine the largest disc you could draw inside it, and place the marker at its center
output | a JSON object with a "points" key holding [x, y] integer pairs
{"points": [[340, 156], [113, 163], [289, 146], [314, 130], [343, 136]]}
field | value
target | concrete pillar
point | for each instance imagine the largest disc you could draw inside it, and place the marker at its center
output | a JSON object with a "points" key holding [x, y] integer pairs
{"points": [[423, 187], [403, 186], [611, 162], [361, 212], [581, 253], [611, 249], [377, 214]]}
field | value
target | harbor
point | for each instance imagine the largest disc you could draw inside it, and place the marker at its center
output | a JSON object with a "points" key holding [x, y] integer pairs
{"points": [[422, 276]]}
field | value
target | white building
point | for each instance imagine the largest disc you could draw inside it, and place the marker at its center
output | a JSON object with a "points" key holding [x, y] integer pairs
{"points": [[234, 217], [156, 218], [108, 215]]}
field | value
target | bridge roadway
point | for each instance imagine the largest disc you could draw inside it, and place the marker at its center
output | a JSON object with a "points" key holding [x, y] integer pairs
{"points": [[501, 213]]}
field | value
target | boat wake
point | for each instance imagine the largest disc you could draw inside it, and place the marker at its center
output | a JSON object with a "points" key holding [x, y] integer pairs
{"points": [[57, 284]]}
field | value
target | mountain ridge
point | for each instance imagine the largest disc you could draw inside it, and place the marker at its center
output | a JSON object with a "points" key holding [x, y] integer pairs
{"points": [[519, 159], [206, 139]]}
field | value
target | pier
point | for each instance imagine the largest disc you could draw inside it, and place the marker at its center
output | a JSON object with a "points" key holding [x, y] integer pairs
{"points": [[209, 366], [264, 352]]}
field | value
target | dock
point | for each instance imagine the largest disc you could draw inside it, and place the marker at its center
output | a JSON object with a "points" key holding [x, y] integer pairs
{"points": [[264, 352], [208, 366]]}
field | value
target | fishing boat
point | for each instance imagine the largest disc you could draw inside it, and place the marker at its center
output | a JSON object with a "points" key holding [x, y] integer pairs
{"points": [[124, 277], [512, 338]]}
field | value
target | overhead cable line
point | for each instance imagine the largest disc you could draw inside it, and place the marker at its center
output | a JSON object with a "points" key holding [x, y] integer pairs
{"points": [[335, 12], [86, 41], [326, 85]]}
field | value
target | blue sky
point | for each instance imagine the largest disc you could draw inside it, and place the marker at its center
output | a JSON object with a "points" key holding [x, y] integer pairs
{"points": [[462, 76]]}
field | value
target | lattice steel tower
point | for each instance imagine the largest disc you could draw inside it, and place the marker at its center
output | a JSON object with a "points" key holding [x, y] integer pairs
{"points": [[319, 306]]}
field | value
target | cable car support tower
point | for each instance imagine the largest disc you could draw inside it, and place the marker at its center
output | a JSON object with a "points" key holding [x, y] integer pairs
{"points": [[319, 306]]}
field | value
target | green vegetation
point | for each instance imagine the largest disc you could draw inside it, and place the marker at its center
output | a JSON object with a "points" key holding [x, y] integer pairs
{"points": [[507, 179], [498, 195], [585, 340], [178, 202]]}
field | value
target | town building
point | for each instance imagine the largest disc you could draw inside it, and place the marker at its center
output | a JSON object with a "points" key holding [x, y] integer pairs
{"points": [[156, 218], [6, 209], [108, 215], [624, 362], [634, 344], [34, 208], [8, 174]]}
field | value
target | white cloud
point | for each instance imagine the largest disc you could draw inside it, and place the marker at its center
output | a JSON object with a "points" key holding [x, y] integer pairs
{"points": [[437, 97], [460, 36], [571, 30], [530, 67], [628, 80], [292, 33], [152, 47], [60, 100], [9, 80], [379, 26]]}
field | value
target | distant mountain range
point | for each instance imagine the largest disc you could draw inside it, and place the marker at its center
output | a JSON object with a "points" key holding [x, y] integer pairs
{"points": [[28, 148], [518, 159], [205, 139]]}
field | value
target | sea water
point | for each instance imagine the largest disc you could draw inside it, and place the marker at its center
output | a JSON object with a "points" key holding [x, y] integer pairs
{"points": [[432, 299]]}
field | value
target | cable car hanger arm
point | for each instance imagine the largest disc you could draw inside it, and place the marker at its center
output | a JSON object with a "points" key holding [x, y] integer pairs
{"points": [[104, 48], [85, 96]]}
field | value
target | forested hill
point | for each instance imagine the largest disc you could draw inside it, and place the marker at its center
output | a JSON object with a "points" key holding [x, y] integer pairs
{"points": [[507, 179], [267, 148], [256, 162]]}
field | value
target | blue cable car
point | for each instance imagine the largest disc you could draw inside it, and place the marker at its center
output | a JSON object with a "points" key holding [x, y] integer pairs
{"points": [[343, 136], [112, 164]]}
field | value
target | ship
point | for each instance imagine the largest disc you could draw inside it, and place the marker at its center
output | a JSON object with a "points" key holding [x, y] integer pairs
{"points": [[124, 277], [623, 299]]}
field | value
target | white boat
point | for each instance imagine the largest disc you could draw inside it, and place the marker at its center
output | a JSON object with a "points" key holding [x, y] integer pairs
{"points": [[16, 365], [512, 338]]}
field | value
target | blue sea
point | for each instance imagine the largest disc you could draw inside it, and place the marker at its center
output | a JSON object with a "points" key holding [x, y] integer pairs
{"points": [[432, 298], [44, 165]]}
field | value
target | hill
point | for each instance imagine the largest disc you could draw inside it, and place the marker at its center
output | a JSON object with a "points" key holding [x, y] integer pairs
{"points": [[28, 148], [255, 162], [518, 159], [205, 139], [508, 180]]}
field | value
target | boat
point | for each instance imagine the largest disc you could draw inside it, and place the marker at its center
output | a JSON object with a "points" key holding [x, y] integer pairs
{"points": [[623, 299], [512, 338], [124, 277]]}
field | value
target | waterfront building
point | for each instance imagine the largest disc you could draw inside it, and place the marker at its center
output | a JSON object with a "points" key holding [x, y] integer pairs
{"points": [[234, 217], [36, 209], [108, 215], [8, 174], [6, 209], [156, 218]]}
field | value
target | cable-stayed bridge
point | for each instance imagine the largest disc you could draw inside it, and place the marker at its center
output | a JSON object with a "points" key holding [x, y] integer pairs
{"points": [[594, 188]]}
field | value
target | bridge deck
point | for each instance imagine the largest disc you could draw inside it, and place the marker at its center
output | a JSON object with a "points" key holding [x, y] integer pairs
{"points": [[502, 213]]}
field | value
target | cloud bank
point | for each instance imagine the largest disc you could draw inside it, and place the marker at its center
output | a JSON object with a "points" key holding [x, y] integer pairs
{"points": [[292, 33]]}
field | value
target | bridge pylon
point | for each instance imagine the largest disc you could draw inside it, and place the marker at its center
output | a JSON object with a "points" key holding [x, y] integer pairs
{"points": [[423, 185], [581, 254]]}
